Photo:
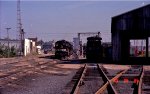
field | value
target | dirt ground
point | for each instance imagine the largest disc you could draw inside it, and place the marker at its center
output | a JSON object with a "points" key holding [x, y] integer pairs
{"points": [[34, 75]]}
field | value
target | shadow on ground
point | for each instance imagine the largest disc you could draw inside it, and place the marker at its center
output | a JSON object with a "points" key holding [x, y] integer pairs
{"points": [[129, 61], [48, 57]]}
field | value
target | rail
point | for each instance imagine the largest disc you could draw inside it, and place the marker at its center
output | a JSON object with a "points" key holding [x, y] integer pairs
{"points": [[105, 79], [76, 87], [109, 82], [140, 82], [106, 84]]}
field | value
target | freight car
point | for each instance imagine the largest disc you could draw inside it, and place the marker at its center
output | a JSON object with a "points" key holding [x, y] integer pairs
{"points": [[63, 49], [94, 49]]}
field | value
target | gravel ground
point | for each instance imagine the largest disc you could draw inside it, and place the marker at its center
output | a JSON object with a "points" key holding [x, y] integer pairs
{"points": [[39, 84], [121, 87], [92, 82], [146, 81], [147, 68], [51, 80], [113, 69], [47, 78]]}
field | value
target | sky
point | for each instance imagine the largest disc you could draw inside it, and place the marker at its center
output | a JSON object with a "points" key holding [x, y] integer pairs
{"points": [[55, 20]]}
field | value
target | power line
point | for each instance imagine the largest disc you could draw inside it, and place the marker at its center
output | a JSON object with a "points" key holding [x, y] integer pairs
{"points": [[60, 33], [8, 41]]}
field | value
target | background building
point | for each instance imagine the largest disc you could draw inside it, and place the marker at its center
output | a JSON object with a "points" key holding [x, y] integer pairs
{"points": [[132, 25]]}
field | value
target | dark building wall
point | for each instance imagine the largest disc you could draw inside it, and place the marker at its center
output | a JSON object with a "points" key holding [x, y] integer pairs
{"points": [[134, 24]]}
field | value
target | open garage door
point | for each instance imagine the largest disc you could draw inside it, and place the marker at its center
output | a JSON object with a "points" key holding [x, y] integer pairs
{"points": [[137, 48]]}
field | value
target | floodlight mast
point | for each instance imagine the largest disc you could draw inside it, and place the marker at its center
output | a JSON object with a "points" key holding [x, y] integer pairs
{"points": [[20, 29]]}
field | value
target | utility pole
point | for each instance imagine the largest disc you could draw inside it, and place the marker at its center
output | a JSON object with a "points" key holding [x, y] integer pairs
{"points": [[8, 52]]}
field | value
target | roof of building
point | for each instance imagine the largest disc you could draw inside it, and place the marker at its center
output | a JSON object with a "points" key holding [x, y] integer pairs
{"points": [[132, 11], [33, 39]]}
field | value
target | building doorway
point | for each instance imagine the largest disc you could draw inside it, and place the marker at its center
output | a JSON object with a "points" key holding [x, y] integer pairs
{"points": [[137, 48]]}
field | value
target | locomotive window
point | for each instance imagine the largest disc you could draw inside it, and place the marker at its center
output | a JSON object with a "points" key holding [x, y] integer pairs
{"points": [[61, 50]]}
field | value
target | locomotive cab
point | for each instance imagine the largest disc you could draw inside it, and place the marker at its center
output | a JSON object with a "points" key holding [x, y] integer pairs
{"points": [[94, 49]]}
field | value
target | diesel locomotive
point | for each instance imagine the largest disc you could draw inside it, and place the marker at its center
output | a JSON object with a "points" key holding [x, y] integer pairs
{"points": [[63, 49], [94, 49]]}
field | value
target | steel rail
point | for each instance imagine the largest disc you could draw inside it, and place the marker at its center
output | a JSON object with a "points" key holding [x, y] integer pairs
{"points": [[104, 87], [140, 82], [76, 87], [109, 82]]}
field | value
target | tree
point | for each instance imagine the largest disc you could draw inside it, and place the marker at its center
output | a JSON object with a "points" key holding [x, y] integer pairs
{"points": [[40, 42]]}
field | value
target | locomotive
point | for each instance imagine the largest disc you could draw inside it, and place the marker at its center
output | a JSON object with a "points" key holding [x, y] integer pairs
{"points": [[94, 49], [63, 49]]}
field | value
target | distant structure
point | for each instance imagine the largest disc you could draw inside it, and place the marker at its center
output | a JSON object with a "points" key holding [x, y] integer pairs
{"points": [[76, 44], [20, 29], [80, 42], [8, 42], [132, 25], [12, 43], [48, 46], [30, 46]]}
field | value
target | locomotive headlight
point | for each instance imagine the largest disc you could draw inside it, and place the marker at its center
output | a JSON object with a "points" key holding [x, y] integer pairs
{"points": [[63, 50]]}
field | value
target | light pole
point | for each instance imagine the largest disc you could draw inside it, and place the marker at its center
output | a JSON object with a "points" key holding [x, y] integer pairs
{"points": [[8, 52]]}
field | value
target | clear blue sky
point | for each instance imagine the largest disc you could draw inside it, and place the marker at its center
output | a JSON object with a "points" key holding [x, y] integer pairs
{"points": [[56, 20]]}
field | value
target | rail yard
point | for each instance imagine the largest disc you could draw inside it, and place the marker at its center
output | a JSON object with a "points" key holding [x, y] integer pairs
{"points": [[37, 74], [113, 61]]}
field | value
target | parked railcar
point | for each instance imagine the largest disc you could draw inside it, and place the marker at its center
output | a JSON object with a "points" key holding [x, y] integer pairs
{"points": [[63, 49], [94, 50]]}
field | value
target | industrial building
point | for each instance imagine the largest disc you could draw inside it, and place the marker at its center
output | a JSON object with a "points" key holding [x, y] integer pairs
{"points": [[132, 25], [30, 46]]}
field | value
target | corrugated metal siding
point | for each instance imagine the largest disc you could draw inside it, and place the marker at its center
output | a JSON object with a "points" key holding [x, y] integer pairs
{"points": [[132, 23]]}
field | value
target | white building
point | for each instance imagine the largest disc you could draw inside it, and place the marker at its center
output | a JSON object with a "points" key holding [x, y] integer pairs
{"points": [[30, 46], [39, 49], [27, 47]]}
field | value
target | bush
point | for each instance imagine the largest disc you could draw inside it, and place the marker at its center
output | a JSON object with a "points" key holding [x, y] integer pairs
{"points": [[4, 51]]}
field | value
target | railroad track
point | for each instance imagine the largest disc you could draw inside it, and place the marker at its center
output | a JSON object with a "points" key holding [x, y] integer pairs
{"points": [[92, 79], [15, 72], [128, 83], [144, 85]]}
